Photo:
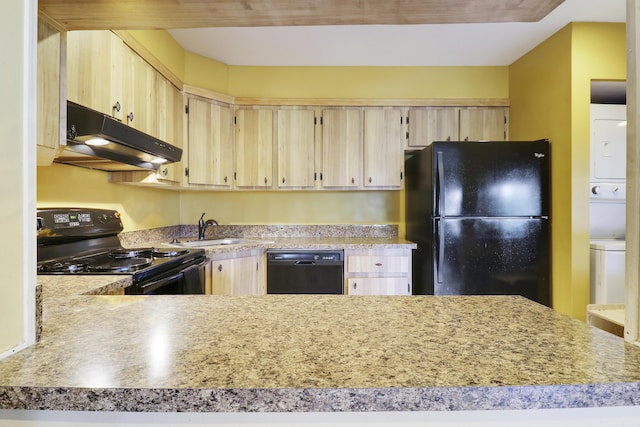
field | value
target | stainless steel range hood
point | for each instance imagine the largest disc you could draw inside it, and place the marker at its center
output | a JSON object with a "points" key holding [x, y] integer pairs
{"points": [[98, 141]]}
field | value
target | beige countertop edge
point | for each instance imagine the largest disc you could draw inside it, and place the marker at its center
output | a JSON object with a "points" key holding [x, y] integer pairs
{"points": [[392, 399]]}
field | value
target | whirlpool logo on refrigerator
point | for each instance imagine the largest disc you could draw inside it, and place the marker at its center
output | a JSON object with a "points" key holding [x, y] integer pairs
{"points": [[538, 155]]}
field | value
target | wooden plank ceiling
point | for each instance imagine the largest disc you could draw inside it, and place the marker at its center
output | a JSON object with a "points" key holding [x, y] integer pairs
{"points": [[167, 14]]}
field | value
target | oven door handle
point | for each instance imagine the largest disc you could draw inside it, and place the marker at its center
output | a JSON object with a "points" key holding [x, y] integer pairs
{"points": [[152, 286]]}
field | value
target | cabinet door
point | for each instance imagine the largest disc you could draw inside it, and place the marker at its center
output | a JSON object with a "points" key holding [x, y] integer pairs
{"points": [[341, 148], [49, 132], [378, 286], [140, 97], [296, 148], [254, 148], [432, 124], [170, 119], [209, 127], [94, 64], [383, 150], [236, 276], [483, 124]]}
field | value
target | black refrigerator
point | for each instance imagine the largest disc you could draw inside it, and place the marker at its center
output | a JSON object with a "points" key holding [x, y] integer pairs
{"points": [[479, 213]]}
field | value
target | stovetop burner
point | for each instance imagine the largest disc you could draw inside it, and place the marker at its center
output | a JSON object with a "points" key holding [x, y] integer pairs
{"points": [[115, 260], [63, 267], [146, 253], [120, 264]]}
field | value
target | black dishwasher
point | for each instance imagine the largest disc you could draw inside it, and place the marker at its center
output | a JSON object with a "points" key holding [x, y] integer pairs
{"points": [[305, 271]]}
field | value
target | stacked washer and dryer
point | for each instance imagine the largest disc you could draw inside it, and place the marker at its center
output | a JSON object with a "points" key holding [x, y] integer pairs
{"points": [[608, 203]]}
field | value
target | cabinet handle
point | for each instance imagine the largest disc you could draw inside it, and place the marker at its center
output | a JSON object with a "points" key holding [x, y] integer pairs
{"points": [[408, 287], [225, 179], [353, 180], [370, 180], [355, 285], [130, 116], [165, 171], [219, 267], [283, 179], [116, 106], [378, 264], [265, 179]]}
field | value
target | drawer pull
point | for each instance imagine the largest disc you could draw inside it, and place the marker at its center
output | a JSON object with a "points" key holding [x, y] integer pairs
{"points": [[355, 285], [378, 264]]}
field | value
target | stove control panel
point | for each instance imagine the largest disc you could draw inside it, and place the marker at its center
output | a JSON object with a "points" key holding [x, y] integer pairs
{"points": [[55, 224]]}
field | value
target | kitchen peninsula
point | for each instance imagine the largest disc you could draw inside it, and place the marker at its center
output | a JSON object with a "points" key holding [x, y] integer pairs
{"points": [[298, 353]]}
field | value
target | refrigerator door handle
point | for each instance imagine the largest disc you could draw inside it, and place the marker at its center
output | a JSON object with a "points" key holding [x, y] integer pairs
{"points": [[440, 250], [440, 187]]}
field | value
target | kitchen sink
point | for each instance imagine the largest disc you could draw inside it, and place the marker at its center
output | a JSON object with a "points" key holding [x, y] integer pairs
{"points": [[214, 242]]}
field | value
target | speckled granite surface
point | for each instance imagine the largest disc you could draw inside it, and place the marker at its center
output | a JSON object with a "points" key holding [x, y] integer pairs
{"points": [[307, 353], [368, 232], [313, 353], [276, 236]]}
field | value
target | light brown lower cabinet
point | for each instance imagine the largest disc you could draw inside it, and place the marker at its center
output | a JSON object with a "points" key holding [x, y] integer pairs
{"points": [[236, 276], [378, 272], [378, 286]]}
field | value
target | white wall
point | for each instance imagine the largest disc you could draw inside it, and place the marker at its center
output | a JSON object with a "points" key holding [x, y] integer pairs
{"points": [[18, 19]]}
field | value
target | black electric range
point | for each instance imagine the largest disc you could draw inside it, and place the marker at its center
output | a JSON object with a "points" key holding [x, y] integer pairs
{"points": [[77, 241]]}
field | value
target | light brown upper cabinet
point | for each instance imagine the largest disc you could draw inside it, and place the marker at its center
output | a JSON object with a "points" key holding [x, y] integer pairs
{"points": [[383, 154], [49, 132], [341, 148], [140, 93], [296, 148], [483, 124], [209, 128], [253, 148], [431, 124], [94, 71], [170, 119]]}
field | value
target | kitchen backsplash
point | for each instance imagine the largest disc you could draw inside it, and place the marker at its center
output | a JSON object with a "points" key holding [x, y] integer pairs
{"points": [[134, 238]]}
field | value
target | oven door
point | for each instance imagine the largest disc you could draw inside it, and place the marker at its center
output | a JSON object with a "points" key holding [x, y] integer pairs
{"points": [[182, 281]]}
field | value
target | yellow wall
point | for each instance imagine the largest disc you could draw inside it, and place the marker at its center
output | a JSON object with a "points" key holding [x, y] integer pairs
{"points": [[141, 208], [206, 73], [362, 207], [550, 97], [369, 82]]}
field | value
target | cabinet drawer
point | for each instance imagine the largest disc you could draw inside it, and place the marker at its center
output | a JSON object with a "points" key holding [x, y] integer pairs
{"points": [[377, 264], [379, 286]]}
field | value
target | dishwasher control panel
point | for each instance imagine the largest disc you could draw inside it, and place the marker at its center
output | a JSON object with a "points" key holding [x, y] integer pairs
{"points": [[304, 255]]}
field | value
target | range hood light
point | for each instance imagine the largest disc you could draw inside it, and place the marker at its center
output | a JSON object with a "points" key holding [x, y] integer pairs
{"points": [[97, 141], [159, 161]]}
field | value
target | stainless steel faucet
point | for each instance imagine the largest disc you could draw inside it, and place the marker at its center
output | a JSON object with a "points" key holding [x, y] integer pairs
{"points": [[202, 225]]}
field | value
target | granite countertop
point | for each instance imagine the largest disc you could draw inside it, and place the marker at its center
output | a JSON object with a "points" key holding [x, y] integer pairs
{"points": [[319, 243], [279, 236], [210, 353], [284, 353]]}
